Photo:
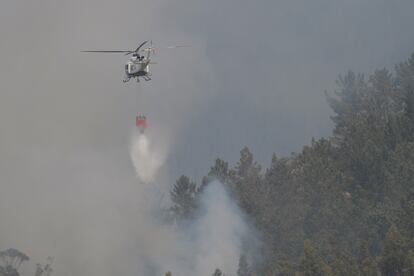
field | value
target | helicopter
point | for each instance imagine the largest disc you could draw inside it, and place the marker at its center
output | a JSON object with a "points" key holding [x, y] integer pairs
{"points": [[138, 65]]}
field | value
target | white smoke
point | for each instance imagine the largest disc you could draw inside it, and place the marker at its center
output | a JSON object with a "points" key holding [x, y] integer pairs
{"points": [[146, 159], [215, 238], [220, 233], [106, 224]]}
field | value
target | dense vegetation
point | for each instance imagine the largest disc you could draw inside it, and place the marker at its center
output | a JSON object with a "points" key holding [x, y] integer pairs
{"points": [[344, 205]]}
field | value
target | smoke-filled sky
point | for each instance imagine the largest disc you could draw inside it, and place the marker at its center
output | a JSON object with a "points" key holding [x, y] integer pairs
{"points": [[255, 75]]}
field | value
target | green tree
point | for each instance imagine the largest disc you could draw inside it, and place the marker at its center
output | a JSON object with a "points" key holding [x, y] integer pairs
{"points": [[400, 172], [393, 258], [245, 181], [183, 196], [405, 84], [311, 263], [366, 127], [219, 171]]}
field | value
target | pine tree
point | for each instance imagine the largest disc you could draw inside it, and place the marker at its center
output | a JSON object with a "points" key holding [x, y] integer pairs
{"points": [[183, 196], [246, 182], [405, 83], [219, 171], [366, 126]]}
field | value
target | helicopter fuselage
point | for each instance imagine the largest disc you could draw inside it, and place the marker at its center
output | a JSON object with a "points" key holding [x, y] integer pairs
{"points": [[137, 67]]}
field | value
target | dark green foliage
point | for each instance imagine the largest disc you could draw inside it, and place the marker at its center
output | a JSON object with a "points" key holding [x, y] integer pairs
{"points": [[220, 171], [311, 262], [245, 181], [393, 258], [284, 268], [409, 264], [407, 211], [368, 118], [405, 84], [183, 197], [344, 264], [367, 264], [400, 171]]}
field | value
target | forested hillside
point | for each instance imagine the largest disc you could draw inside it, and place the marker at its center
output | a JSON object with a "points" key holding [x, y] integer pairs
{"points": [[344, 205]]}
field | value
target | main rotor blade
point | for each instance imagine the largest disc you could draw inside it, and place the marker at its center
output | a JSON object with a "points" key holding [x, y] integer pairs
{"points": [[142, 44], [106, 51], [177, 46], [152, 49]]}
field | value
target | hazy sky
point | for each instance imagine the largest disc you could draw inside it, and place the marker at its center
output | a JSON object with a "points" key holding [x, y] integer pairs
{"points": [[255, 75], [274, 59]]}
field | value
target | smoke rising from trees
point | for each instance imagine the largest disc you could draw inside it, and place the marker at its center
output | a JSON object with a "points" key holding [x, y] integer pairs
{"points": [[197, 243], [255, 76]]}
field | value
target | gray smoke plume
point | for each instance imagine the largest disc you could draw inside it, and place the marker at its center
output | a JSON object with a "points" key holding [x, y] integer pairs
{"points": [[220, 232], [214, 239], [67, 187]]}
